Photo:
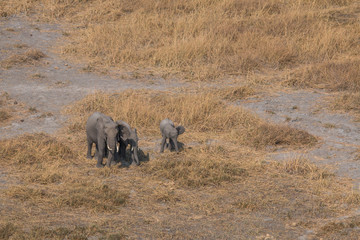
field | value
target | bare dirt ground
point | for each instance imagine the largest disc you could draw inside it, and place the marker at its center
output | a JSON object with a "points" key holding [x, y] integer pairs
{"points": [[338, 133], [52, 83]]}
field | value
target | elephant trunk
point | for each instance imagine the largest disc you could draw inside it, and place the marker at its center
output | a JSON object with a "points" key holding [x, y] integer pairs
{"points": [[134, 155]]}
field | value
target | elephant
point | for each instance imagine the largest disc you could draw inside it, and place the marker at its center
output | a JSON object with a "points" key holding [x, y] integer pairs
{"points": [[128, 136], [169, 131], [104, 132]]}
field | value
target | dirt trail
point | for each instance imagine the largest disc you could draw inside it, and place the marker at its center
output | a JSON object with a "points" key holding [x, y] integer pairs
{"points": [[53, 82], [339, 135]]}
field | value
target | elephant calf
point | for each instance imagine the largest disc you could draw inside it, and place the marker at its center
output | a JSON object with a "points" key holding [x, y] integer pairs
{"points": [[128, 136], [169, 131]]}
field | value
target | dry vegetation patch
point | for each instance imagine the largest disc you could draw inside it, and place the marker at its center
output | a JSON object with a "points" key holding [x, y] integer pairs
{"points": [[204, 39], [30, 57], [212, 189], [214, 182], [334, 76], [10, 109], [199, 167], [201, 113]]}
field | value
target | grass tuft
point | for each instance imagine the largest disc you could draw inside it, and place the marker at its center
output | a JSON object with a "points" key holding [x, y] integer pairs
{"points": [[30, 57], [303, 167], [4, 116], [34, 149]]}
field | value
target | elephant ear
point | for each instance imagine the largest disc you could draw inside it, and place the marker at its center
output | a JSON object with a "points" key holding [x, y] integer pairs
{"points": [[124, 130], [180, 129], [100, 126]]}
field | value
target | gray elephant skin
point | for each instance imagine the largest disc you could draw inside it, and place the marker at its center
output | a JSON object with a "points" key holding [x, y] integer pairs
{"points": [[104, 132], [169, 131], [128, 136]]}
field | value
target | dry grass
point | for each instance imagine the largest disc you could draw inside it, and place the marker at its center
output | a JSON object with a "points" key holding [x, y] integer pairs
{"points": [[236, 93], [205, 39], [30, 57], [201, 113], [11, 231], [348, 102], [208, 183], [333, 76], [219, 186], [10, 109], [4, 116], [304, 167], [46, 162], [204, 184], [198, 167]]}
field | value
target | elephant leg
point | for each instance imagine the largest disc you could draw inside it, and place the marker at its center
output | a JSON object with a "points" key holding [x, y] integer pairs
{"points": [[99, 162], [88, 155], [163, 142], [96, 151], [122, 152], [110, 160], [106, 152], [174, 140], [100, 153], [171, 144]]}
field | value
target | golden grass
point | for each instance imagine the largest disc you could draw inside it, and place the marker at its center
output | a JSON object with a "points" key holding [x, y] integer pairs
{"points": [[30, 57], [46, 161], [220, 177], [304, 167], [205, 39], [198, 167], [348, 102], [333, 76], [4, 116], [10, 109], [11, 231], [201, 113], [52, 175]]}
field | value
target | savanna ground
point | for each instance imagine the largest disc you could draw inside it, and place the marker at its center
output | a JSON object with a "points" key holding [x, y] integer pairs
{"points": [[198, 63]]}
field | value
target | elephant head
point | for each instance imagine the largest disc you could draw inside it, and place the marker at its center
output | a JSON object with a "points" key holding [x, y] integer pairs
{"points": [[128, 136], [180, 129], [110, 132]]}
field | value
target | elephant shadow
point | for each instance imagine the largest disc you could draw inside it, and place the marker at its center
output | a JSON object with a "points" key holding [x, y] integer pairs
{"points": [[128, 161], [171, 146]]}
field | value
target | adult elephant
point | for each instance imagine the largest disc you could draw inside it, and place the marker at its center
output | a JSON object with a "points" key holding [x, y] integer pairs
{"points": [[169, 131], [128, 136], [104, 132]]}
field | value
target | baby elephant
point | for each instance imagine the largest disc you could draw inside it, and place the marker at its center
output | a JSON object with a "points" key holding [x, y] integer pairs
{"points": [[169, 131]]}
